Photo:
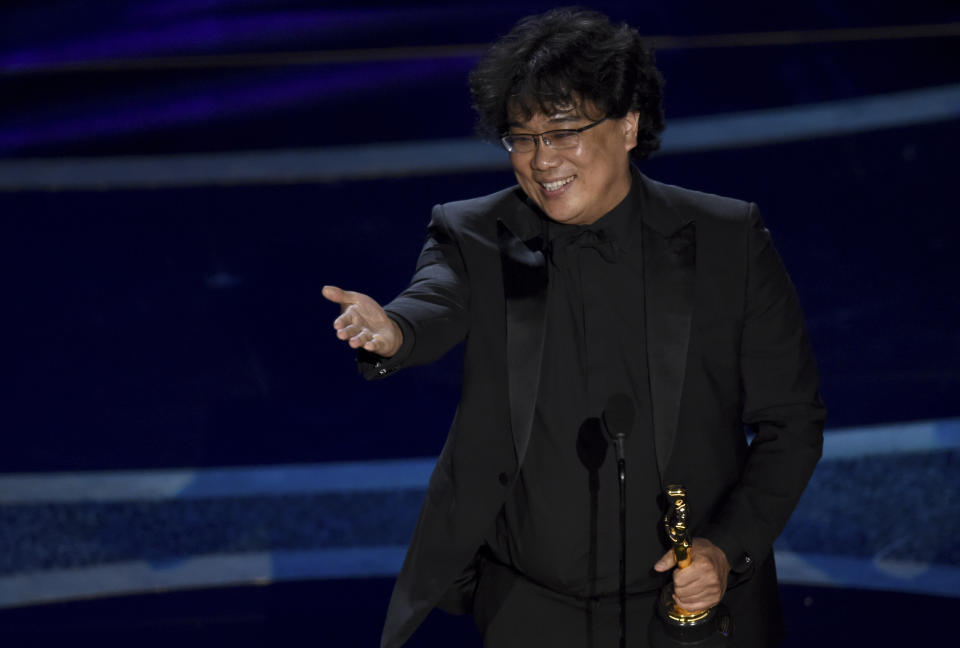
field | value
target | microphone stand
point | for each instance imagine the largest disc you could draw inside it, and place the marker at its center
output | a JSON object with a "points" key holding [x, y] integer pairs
{"points": [[622, 479], [618, 420]]}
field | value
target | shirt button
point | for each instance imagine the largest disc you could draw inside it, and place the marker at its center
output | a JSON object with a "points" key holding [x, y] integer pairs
{"points": [[504, 478]]}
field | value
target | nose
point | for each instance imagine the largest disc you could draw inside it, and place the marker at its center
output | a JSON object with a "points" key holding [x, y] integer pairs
{"points": [[544, 157]]}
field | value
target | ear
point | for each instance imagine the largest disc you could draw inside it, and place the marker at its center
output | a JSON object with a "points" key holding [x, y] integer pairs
{"points": [[631, 125]]}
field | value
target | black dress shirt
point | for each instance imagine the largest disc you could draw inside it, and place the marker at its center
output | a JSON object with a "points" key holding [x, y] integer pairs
{"points": [[560, 524]]}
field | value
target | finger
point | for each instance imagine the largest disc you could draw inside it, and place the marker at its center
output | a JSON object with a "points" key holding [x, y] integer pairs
{"points": [[340, 296], [686, 576], [697, 575], [349, 331], [350, 315], [699, 600], [356, 342], [696, 589], [369, 342], [333, 293], [695, 604], [344, 320], [667, 561], [375, 345], [685, 589], [358, 335]]}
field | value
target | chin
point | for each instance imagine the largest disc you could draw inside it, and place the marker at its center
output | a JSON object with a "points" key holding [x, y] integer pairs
{"points": [[557, 217], [565, 217]]}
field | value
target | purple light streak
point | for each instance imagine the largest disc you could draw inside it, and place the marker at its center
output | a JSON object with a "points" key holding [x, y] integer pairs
{"points": [[207, 35], [164, 108]]}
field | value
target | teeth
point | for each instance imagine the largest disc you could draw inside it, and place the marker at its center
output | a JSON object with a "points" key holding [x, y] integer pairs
{"points": [[553, 186]]}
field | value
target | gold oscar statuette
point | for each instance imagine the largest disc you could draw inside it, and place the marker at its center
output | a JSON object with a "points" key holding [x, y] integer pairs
{"points": [[678, 627]]}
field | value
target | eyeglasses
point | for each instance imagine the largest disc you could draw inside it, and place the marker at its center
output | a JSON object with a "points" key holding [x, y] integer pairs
{"points": [[565, 138]]}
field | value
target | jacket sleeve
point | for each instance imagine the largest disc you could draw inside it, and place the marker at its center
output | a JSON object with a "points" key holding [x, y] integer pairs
{"points": [[433, 311], [781, 407]]}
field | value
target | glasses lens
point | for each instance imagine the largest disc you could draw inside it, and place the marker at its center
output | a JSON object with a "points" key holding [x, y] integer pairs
{"points": [[521, 143], [562, 139]]}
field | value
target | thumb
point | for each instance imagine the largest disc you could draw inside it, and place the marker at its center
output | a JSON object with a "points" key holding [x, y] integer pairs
{"points": [[667, 561]]}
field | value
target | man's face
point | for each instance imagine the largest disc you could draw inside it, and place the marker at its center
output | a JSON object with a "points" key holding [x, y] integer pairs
{"points": [[578, 185]]}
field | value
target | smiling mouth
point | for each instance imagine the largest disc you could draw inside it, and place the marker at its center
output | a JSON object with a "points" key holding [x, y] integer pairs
{"points": [[556, 185]]}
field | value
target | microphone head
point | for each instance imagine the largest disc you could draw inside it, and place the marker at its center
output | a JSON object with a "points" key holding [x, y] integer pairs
{"points": [[618, 416]]}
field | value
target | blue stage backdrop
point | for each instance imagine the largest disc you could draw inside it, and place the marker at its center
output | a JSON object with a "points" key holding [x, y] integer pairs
{"points": [[179, 179]]}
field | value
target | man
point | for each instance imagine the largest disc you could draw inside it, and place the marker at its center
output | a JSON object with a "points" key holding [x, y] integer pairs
{"points": [[585, 283]]}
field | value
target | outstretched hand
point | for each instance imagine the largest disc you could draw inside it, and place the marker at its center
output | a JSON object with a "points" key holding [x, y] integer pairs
{"points": [[702, 584], [364, 323]]}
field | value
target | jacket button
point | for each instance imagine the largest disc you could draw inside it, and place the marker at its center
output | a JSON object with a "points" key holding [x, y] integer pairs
{"points": [[504, 478]]}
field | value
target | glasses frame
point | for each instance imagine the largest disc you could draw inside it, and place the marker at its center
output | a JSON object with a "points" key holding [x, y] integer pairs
{"points": [[545, 137]]}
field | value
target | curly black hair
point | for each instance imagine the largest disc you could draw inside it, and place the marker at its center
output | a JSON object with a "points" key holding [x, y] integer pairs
{"points": [[569, 57]]}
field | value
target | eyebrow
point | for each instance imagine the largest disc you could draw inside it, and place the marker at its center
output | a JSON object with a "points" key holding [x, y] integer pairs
{"points": [[560, 118]]}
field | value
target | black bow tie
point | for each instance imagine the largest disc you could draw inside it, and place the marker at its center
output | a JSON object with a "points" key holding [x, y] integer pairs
{"points": [[578, 239]]}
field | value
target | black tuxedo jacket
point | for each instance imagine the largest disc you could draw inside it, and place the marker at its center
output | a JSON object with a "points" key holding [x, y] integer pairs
{"points": [[726, 347]]}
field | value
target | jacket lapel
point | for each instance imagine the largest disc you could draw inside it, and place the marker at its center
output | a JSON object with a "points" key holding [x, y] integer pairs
{"points": [[669, 249], [520, 239]]}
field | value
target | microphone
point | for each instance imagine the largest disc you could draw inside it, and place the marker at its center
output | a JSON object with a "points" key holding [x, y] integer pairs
{"points": [[618, 421]]}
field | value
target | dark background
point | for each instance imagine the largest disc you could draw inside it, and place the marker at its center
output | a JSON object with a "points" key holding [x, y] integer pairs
{"points": [[175, 326], [183, 326]]}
